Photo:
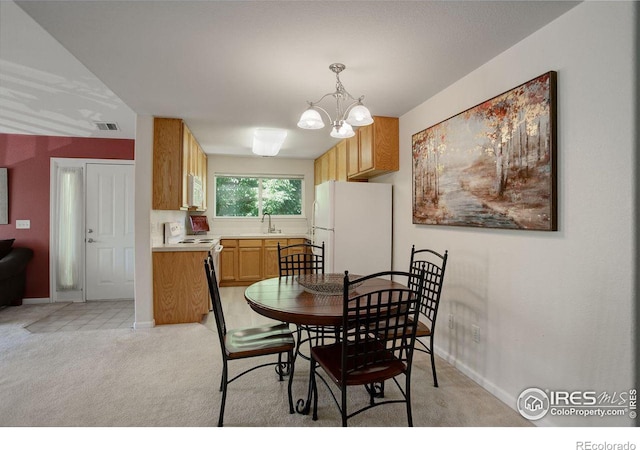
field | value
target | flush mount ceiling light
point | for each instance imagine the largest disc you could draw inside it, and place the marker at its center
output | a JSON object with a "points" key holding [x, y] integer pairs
{"points": [[267, 141], [355, 114]]}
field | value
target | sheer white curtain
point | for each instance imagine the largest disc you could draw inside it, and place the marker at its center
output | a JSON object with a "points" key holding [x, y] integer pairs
{"points": [[70, 232]]}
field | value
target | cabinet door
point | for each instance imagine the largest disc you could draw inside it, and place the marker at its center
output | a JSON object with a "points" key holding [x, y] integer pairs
{"points": [[365, 148], [331, 162], [352, 155], [271, 263], [249, 259], [324, 168], [229, 260], [317, 171], [179, 296], [186, 161], [203, 169], [341, 161], [168, 164]]}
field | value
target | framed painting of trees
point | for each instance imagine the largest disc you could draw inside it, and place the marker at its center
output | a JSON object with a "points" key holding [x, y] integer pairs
{"points": [[493, 165]]}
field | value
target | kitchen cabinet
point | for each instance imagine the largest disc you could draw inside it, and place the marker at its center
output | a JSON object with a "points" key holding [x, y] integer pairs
{"points": [[180, 289], [176, 155], [342, 162], [271, 263], [332, 165], [249, 259], [377, 150], [322, 168], [352, 155], [244, 261], [373, 151], [228, 261]]}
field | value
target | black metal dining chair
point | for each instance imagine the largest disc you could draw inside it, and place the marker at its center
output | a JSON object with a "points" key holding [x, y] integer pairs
{"points": [[376, 343], [305, 259], [433, 264], [300, 259], [242, 343]]}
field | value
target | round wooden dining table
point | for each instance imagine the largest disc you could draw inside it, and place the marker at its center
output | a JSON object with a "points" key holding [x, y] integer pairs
{"points": [[286, 300]]}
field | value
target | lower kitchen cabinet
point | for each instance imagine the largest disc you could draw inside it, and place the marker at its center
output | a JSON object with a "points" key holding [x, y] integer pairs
{"points": [[180, 290], [245, 261], [228, 261], [250, 259], [271, 264]]}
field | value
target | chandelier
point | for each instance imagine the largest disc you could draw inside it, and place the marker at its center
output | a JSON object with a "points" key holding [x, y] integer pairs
{"points": [[355, 114]]}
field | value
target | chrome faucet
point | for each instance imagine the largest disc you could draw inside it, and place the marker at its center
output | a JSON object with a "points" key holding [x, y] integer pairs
{"points": [[270, 229]]}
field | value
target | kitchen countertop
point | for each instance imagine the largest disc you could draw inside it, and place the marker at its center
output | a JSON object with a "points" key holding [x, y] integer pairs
{"points": [[265, 236], [206, 246], [195, 247]]}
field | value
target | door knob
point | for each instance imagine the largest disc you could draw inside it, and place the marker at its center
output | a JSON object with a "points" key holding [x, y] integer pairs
{"points": [[90, 240], [90, 230]]}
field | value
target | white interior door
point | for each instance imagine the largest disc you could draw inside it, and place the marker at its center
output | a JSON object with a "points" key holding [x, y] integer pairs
{"points": [[109, 232]]}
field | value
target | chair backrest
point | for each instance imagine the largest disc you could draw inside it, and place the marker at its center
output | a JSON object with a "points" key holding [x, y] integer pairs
{"points": [[301, 259], [215, 300], [377, 326], [434, 265]]}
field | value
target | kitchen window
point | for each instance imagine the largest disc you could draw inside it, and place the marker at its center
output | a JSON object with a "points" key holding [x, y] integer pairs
{"points": [[252, 196]]}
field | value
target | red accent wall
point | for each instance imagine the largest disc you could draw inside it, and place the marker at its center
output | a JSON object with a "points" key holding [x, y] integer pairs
{"points": [[27, 158]]}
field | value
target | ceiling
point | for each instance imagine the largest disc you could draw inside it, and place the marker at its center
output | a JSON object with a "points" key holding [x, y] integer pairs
{"points": [[228, 67]]}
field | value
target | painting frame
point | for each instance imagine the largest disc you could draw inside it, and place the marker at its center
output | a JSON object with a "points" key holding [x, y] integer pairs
{"points": [[493, 165]]}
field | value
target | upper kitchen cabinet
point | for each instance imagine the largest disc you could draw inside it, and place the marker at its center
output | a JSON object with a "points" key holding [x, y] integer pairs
{"points": [[176, 156], [332, 165], [375, 149]]}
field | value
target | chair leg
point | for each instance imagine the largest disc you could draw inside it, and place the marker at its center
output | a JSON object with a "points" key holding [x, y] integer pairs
{"points": [[314, 390], [407, 397], [343, 409], [279, 370], [292, 366], [433, 369], [224, 393]]}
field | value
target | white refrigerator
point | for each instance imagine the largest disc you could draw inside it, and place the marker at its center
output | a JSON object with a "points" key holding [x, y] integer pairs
{"points": [[354, 222]]}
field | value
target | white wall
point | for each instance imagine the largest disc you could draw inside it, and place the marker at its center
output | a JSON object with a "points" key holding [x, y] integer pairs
{"points": [[231, 165], [143, 200], [555, 309]]}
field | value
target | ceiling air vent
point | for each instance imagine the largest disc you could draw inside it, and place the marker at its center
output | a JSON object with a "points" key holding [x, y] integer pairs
{"points": [[107, 126]]}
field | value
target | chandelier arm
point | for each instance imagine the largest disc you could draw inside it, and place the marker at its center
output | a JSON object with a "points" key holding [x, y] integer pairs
{"points": [[313, 105]]}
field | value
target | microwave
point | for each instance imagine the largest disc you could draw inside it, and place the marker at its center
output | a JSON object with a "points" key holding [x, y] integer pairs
{"points": [[195, 196]]}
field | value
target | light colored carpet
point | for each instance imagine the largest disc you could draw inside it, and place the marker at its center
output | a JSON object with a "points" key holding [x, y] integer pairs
{"points": [[168, 376]]}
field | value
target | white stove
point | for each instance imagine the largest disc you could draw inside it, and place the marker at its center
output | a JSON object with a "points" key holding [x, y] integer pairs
{"points": [[174, 233]]}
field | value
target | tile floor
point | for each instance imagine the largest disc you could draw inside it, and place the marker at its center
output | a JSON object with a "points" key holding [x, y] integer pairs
{"points": [[96, 315]]}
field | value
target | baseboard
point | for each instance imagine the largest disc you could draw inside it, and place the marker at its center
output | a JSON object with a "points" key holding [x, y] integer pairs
{"points": [[141, 325], [494, 390], [35, 301]]}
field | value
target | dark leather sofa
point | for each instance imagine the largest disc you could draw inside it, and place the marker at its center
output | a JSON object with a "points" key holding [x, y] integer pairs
{"points": [[13, 268]]}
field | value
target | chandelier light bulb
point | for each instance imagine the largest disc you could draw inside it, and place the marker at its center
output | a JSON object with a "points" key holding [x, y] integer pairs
{"points": [[342, 131], [311, 120], [359, 116]]}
